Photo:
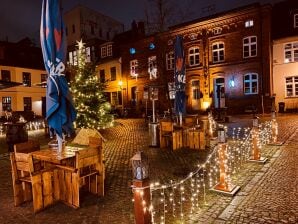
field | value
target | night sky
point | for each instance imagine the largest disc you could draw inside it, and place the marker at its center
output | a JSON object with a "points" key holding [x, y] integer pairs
{"points": [[21, 18]]}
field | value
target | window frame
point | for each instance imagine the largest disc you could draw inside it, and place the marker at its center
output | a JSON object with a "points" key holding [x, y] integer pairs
{"points": [[113, 72], [170, 60], [249, 23], [109, 50], [218, 51], [102, 76], [194, 57], [295, 17], [103, 51], [28, 104], [249, 45], [134, 64], [26, 80], [291, 52], [251, 81], [294, 86], [6, 103]]}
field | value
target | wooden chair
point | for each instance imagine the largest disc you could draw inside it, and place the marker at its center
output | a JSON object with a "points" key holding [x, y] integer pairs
{"points": [[29, 180], [168, 136], [86, 173]]}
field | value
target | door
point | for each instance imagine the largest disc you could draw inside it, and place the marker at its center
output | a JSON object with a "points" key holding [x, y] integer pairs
{"points": [[219, 93], [196, 95]]}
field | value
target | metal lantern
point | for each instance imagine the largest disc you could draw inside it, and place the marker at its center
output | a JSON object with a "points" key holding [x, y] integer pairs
{"points": [[221, 135], [140, 166], [255, 121]]}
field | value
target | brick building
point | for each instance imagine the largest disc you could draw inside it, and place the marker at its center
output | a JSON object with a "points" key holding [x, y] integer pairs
{"points": [[228, 62]]}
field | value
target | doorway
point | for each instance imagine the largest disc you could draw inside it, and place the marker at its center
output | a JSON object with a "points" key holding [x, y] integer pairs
{"points": [[219, 93]]}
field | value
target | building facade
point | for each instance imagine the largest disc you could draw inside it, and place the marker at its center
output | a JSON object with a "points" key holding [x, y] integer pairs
{"points": [[22, 63], [228, 62], [285, 56]]}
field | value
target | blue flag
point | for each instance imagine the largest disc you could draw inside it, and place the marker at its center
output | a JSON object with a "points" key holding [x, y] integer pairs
{"points": [[179, 76], [60, 112]]}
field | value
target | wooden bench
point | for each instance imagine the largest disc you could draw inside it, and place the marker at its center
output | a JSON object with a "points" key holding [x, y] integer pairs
{"points": [[29, 180]]}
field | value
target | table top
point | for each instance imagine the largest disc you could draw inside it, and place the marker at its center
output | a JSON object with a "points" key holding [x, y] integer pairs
{"points": [[54, 156]]}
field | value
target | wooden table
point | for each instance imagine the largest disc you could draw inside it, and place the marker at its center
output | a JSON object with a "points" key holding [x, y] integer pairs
{"points": [[62, 180]]}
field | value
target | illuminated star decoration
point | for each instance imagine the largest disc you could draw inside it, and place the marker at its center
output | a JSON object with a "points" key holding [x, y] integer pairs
{"points": [[80, 44]]}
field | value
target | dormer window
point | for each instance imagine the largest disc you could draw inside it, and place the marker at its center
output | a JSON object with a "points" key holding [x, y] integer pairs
{"points": [[249, 23], [295, 20], [217, 30]]}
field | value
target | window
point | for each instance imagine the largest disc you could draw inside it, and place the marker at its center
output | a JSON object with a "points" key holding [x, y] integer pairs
{"points": [[27, 104], [249, 23], [251, 83], [75, 58], [5, 75], [295, 20], [70, 58], [6, 103], [217, 31], [292, 86], [152, 67], [102, 76], [114, 99], [103, 51], [109, 50], [291, 52], [134, 68], [196, 90], [218, 50], [26, 79], [194, 56], [88, 54], [113, 73], [43, 80], [249, 47], [170, 60]]}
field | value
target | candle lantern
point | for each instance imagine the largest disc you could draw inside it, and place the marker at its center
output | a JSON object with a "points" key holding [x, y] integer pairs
{"points": [[255, 121], [140, 166], [221, 135]]}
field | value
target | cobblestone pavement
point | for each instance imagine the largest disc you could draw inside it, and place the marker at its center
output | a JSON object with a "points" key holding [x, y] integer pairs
{"points": [[268, 192]]}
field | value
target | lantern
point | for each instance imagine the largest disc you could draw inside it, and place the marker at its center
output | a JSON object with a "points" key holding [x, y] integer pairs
{"points": [[221, 135], [140, 166], [255, 121], [273, 115]]}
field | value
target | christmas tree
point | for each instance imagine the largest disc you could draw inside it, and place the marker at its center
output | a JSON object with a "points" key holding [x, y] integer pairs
{"points": [[93, 110]]}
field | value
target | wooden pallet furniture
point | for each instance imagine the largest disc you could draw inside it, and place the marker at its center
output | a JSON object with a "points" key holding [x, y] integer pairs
{"points": [[169, 136], [30, 181], [87, 172]]}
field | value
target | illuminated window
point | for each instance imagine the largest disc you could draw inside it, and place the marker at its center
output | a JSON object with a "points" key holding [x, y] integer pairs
{"points": [[218, 52], [134, 68], [152, 67], [291, 52], [249, 47], [6, 103], [70, 58], [196, 94], [292, 86], [194, 56], [249, 23], [251, 83], [170, 60]]}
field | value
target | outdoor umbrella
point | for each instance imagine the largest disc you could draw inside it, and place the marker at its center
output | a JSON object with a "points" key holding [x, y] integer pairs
{"points": [[60, 112], [179, 78]]}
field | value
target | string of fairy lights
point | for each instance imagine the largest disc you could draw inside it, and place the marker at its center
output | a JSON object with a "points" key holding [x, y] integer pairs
{"points": [[179, 200]]}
